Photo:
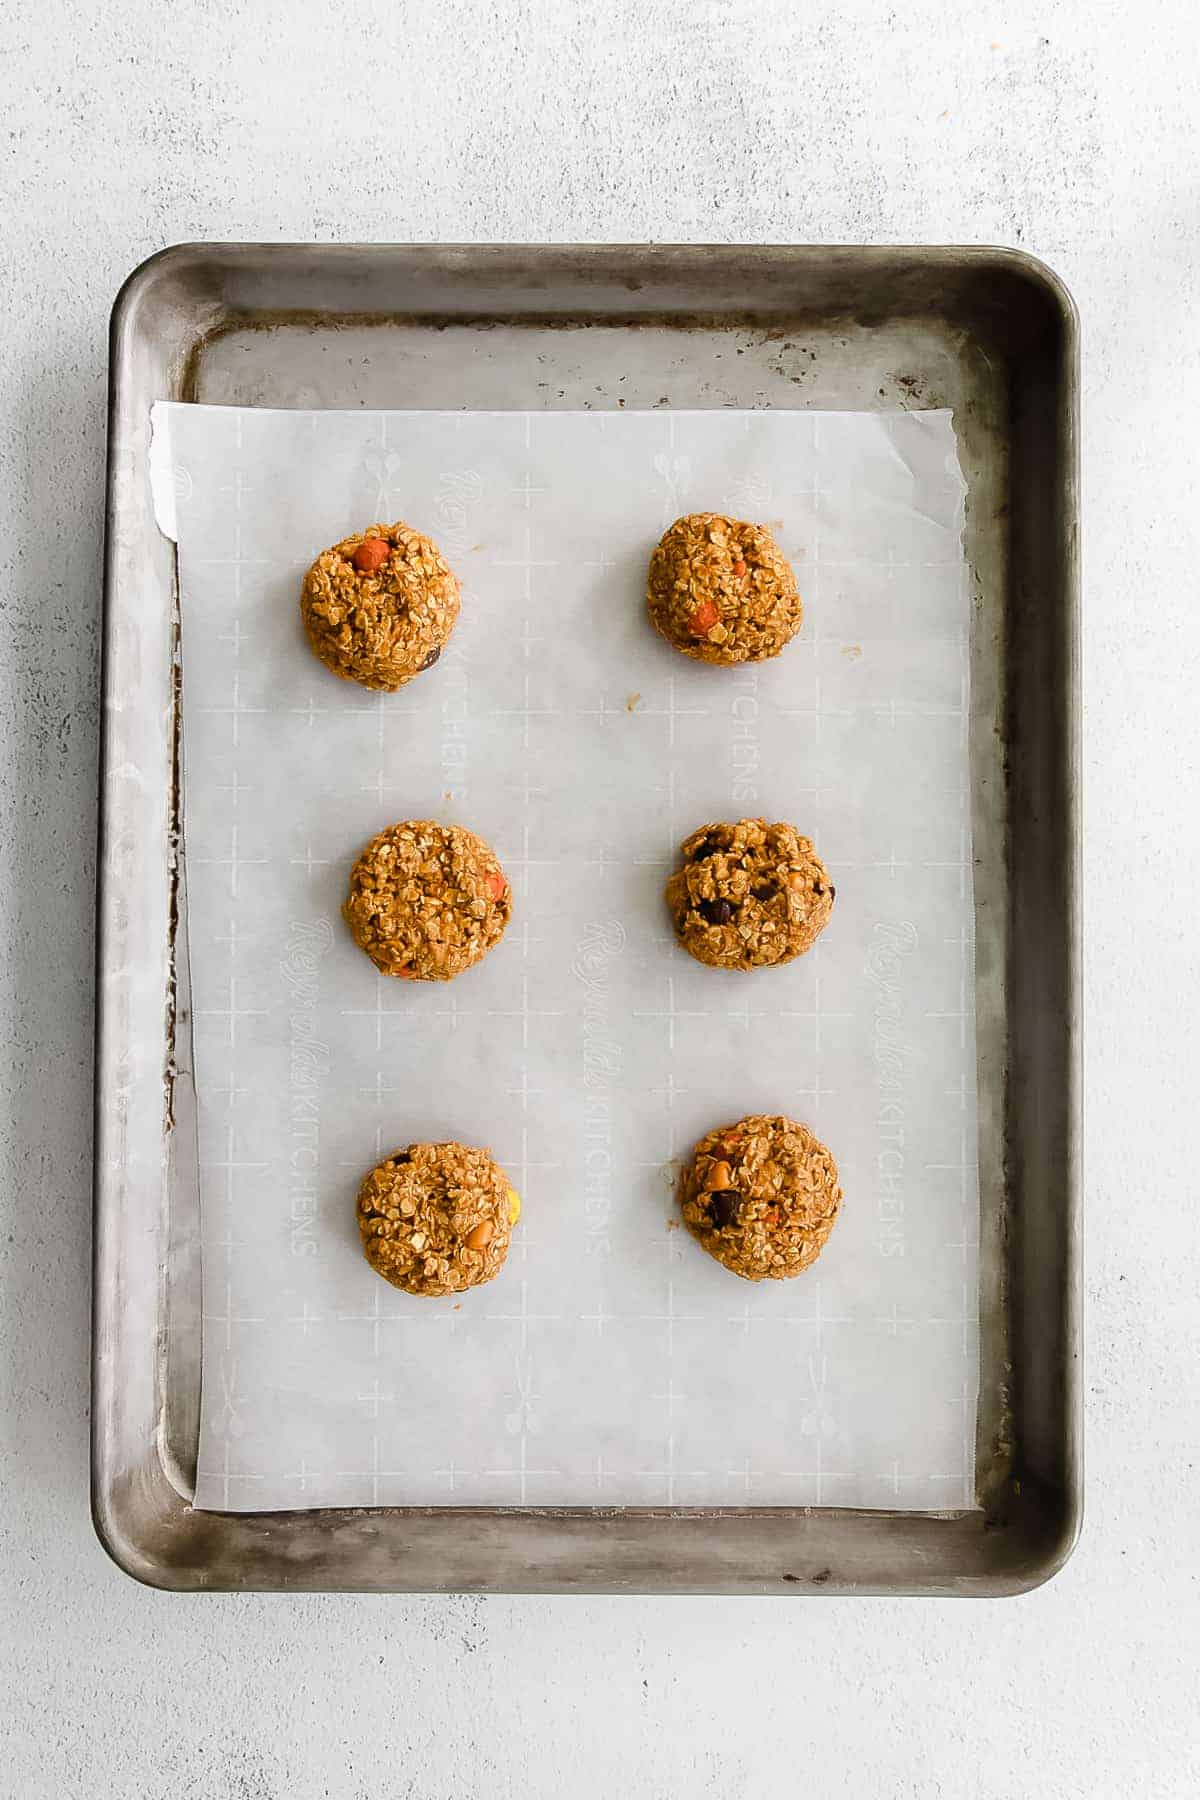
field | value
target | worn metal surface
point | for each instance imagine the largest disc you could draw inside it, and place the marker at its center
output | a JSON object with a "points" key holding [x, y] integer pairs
{"points": [[988, 333]]}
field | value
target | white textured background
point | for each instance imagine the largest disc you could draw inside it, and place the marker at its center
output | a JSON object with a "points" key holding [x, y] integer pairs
{"points": [[1064, 128]]}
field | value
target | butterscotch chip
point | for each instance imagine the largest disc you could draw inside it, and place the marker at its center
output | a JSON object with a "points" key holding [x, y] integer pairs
{"points": [[436, 1218], [427, 901], [778, 1200], [749, 895], [721, 589], [379, 607]]}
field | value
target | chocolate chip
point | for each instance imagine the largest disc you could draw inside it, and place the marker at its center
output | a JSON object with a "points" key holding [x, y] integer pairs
{"points": [[724, 1207], [765, 890], [832, 891], [817, 888], [708, 845], [717, 912], [432, 657]]}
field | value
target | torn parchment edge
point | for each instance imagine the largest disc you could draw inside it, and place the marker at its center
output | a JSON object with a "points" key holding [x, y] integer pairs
{"points": [[165, 479]]}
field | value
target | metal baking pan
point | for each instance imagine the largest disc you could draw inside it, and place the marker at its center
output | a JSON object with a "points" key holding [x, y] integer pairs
{"points": [[990, 333]]}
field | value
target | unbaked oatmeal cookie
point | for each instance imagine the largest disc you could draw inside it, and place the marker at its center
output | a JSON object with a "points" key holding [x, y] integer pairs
{"points": [[749, 895], [761, 1196], [437, 1218], [721, 590], [427, 901], [379, 607]]}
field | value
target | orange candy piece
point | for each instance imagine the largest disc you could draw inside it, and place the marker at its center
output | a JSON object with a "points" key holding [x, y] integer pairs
{"points": [[703, 619], [495, 884], [370, 555]]}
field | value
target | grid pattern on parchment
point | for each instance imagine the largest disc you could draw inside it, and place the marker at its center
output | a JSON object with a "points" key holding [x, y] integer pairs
{"points": [[611, 1362]]}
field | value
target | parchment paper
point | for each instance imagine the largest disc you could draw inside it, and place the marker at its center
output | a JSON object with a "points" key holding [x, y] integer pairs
{"points": [[612, 1361]]}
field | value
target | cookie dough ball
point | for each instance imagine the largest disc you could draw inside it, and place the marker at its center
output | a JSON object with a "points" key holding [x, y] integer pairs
{"points": [[749, 896], [379, 607], [722, 590], [761, 1196], [427, 900], [437, 1218]]}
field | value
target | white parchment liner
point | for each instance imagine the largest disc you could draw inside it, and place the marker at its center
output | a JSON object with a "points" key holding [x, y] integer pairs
{"points": [[611, 1362]]}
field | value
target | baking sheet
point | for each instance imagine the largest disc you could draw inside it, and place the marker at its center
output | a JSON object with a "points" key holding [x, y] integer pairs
{"points": [[612, 1362]]}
